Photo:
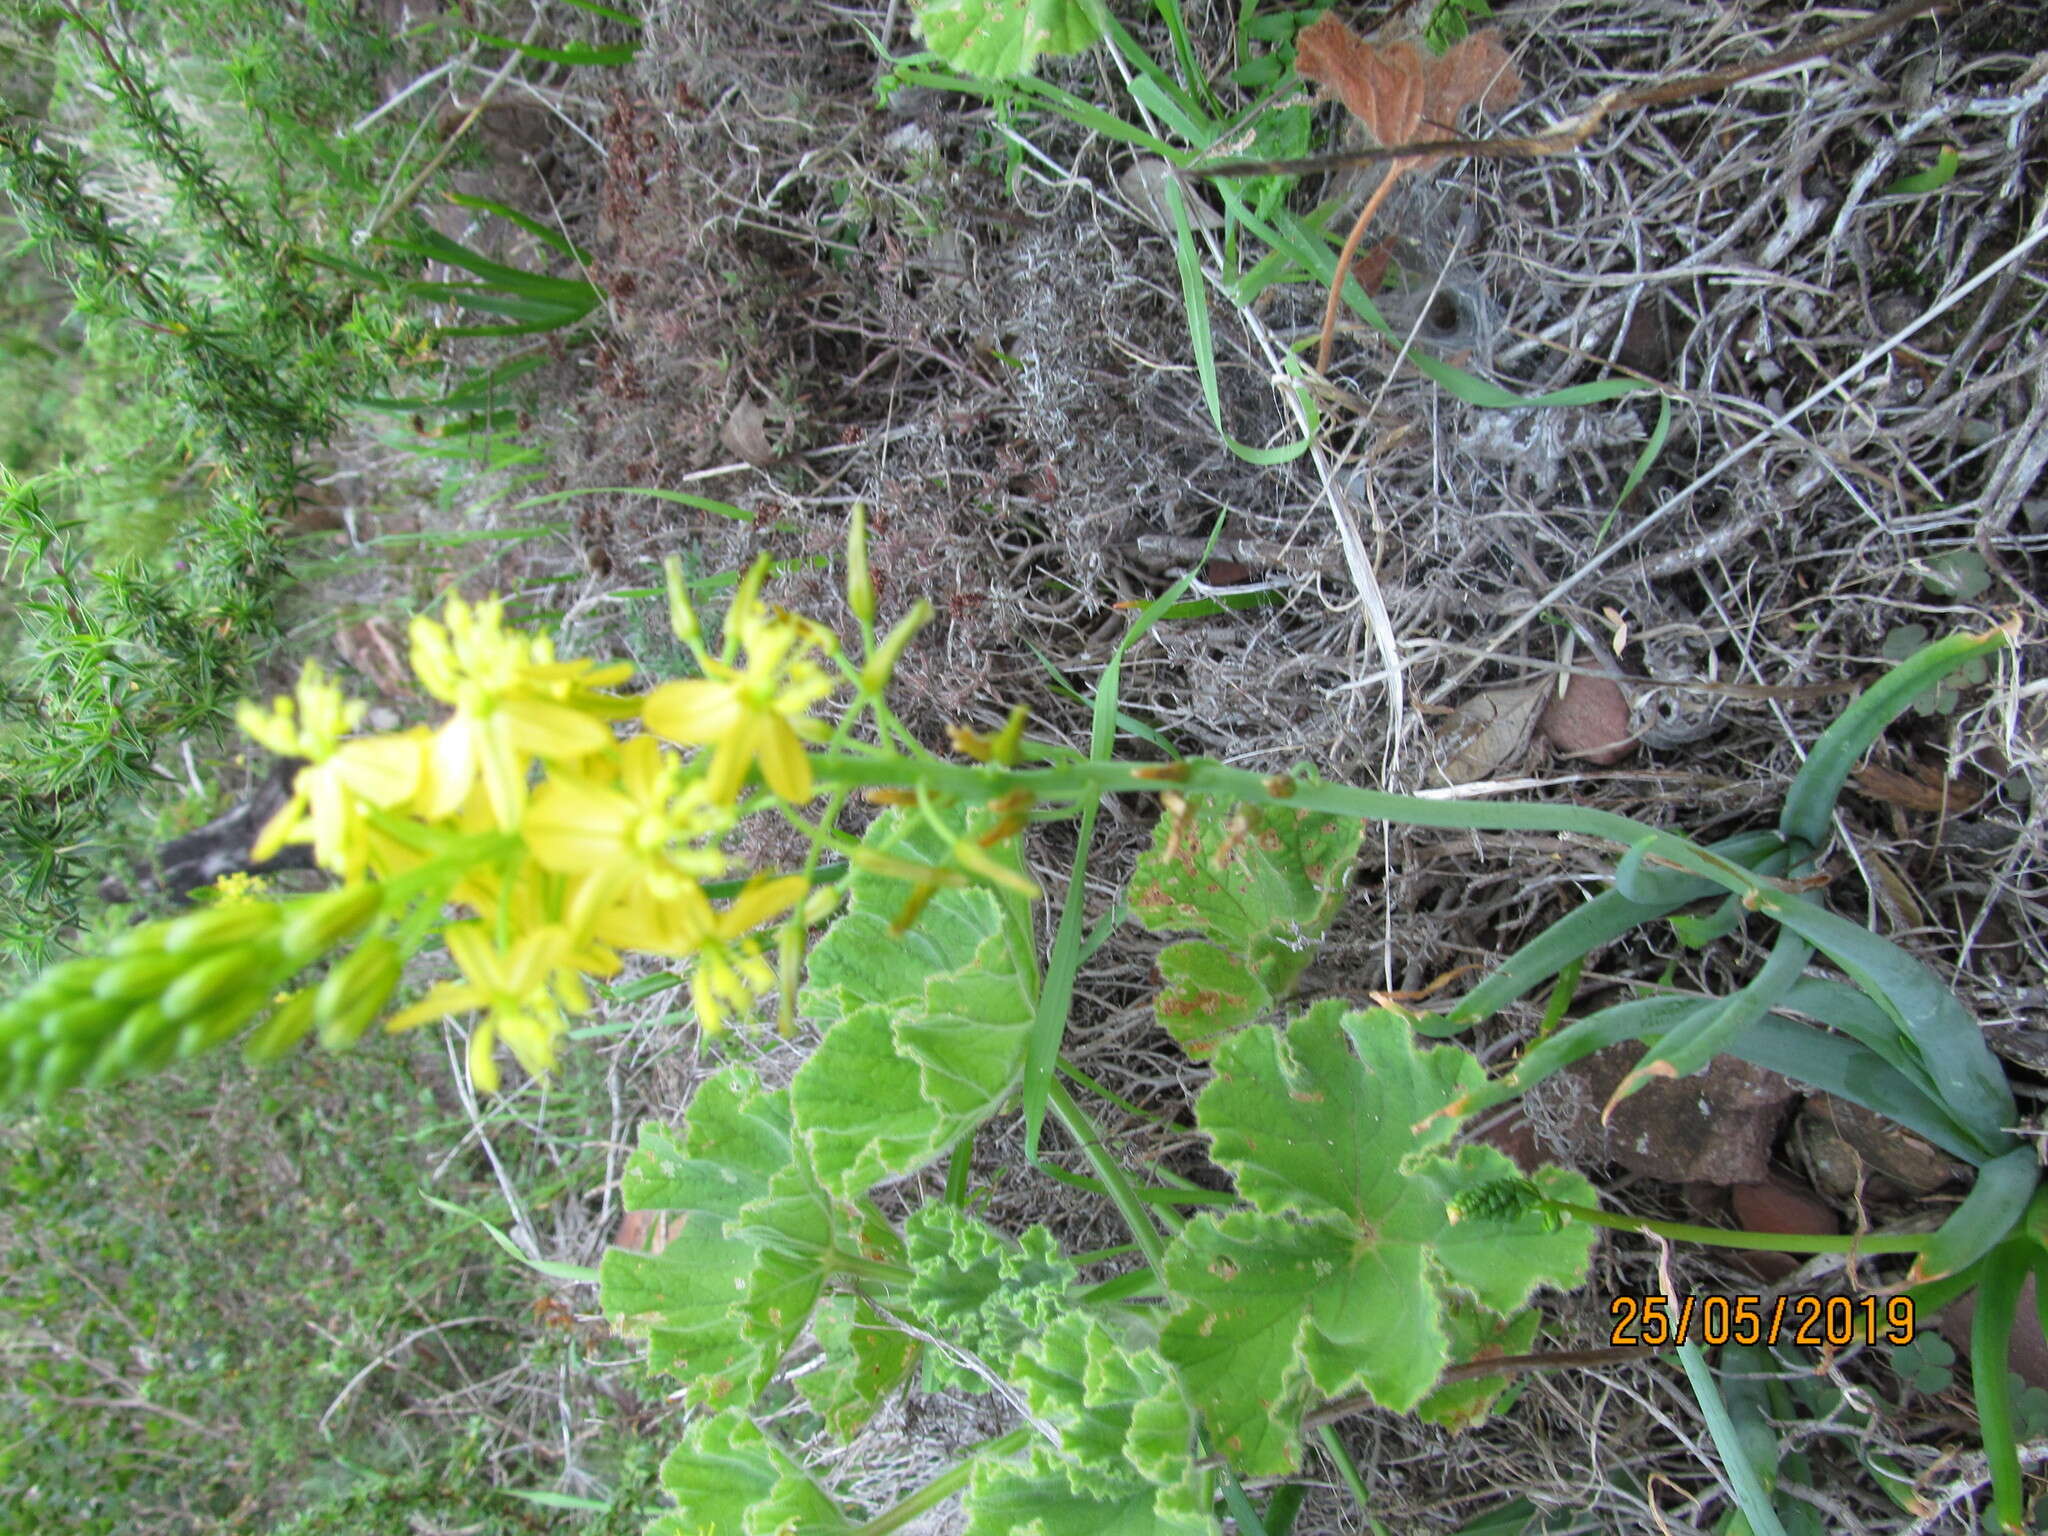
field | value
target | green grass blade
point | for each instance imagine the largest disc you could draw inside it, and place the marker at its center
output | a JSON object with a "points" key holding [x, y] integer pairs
{"points": [[1631, 1020], [1194, 291], [1993, 1207], [596, 9], [1129, 725], [578, 1273], [553, 237], [1933, 179], [680, 498], [1224, 602], [1990, 1350], [1312, 249], [432, 245], [1056, 996], [1807, 819], [600, 55], [1641, 469]]}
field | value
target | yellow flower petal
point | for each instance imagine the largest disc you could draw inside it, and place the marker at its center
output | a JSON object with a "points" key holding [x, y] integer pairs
{"points": [[504, 775], [279, 829], [483, 1070], [761, 900], [446, 999], [695, 712], [783, 763], [474, 953], [731, 759], [451, 768], [550, 730], [384, 770], [572, 828]]}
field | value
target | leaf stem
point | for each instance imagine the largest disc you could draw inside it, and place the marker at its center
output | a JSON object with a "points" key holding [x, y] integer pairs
{"points": [[944, 1486], [1761, 1242], [1130, 1205]]}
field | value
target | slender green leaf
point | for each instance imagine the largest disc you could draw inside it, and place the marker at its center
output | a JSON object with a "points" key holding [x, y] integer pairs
{"points": [[1933, 179], [580, 1274], [1743, 1481], [1987, 1215], [680, 498], [1041, 1054], [1990, 1350], [1688, 1047], [1964, 1071], [540, 231], [601, 55], [1591, 925], [1808, 816]]}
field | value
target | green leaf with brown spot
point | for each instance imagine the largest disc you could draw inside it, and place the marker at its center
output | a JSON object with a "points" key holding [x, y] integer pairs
{"points": [[1259, 884]]}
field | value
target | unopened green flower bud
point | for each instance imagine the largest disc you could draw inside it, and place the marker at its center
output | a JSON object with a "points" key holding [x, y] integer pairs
{"points": [[206, 983], [860, 585], [221, 1022], [355, 992], [682, 616], [88, 1018], [220, 927], [140, 976], [314, 927], [275, 1037], [146, 1040], [821, 903], [975, 859], [61, 1068], [876, 671]]}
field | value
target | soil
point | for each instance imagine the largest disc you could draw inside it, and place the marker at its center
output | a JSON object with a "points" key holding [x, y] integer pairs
{"points": [[817, 297]]}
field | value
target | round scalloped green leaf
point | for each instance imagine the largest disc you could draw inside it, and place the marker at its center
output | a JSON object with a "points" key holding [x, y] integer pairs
{"points": [[1033, 1497], [999, 39], [1261, 881], [1081, 1380], [1330, 1283], [1318, 1118], [1503, 1263], [1258, 1293], [683, 1301], [863, 1359], [862, 959], [1206, 994], [975, 1288], [1477, 1334], [735, 1139], [859, 1107], [728, 1478]]}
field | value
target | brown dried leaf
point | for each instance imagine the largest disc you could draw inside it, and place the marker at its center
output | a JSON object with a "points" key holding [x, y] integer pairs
{"points": [[1489, 730], [1952, 797], [746, 433], [1400, 92]]}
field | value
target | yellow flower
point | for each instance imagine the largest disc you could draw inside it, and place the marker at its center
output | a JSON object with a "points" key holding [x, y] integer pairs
{"points": [[238, 886], [640, 837], [513, 702], [512, 988], [730, 973], [327, 807], [752, 713]]}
